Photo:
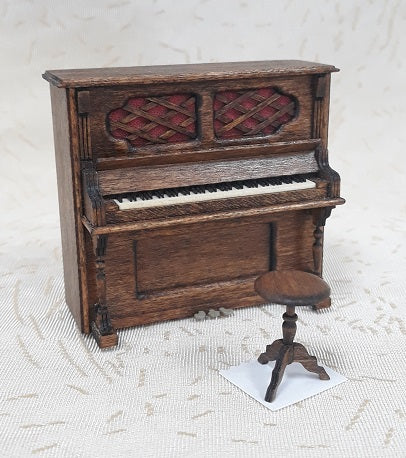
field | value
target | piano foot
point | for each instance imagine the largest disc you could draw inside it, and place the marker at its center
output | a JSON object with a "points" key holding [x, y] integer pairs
{"points": [[323, 304], [104, 340]]}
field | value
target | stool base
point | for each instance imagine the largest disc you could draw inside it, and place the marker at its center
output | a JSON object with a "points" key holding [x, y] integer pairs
{"points": [[285, 354]]}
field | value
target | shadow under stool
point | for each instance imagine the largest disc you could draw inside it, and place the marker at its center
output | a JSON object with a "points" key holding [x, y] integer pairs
{"points": [[292, 288]]}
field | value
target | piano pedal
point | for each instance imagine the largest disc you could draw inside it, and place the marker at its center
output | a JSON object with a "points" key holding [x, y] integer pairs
{"points": [[213, 314], [200, 315], [222, 312]]}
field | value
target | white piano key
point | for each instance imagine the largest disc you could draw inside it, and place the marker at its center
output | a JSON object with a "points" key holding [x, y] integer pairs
{"points": [[206, 196]]}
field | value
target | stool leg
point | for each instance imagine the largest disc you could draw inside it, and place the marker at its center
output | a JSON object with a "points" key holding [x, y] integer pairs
{"points": [[284, 358], [285, 354], [271, 352], [309, 362]]}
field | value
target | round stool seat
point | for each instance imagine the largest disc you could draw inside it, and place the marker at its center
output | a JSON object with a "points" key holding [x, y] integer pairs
{"points": [[292, 288]]}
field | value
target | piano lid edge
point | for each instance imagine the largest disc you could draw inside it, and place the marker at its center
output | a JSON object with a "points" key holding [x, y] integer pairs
{"points": [[211, 71]]}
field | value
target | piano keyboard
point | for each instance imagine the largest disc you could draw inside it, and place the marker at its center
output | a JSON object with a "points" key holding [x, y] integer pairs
{"points": [[200, 193]]}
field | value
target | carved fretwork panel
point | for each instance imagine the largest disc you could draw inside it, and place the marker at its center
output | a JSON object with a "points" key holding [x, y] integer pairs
{"points": [[256, 112], [154, 120]]}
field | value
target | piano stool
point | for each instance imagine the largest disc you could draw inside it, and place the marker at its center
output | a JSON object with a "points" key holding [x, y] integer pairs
{"points": [[291, 288]]}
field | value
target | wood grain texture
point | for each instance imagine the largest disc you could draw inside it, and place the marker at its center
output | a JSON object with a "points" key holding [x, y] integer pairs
{"points": [[178, 73], [171, 176], [67, 170], [241, 213], [211, 153], [187, 267], [292, 288]]}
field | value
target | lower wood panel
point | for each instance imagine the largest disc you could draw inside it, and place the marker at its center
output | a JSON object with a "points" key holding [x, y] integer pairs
{"points": [[244, 297], [208, 255], [159, 276]]}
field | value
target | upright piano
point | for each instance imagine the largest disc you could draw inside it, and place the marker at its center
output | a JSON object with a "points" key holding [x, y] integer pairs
{"points": [[179, 185]]}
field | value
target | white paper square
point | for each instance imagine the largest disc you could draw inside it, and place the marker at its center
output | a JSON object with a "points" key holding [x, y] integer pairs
{"points": [[297, 383]]}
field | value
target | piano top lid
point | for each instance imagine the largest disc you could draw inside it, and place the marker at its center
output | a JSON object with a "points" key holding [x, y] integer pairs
{"points": [[88, 77]]}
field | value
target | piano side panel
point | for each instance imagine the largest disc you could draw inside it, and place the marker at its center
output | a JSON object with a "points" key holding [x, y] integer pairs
{"points": [[172, 275], [67, 168]]}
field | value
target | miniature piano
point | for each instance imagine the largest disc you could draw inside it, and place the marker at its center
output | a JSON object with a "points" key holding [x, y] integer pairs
{"points": [[179, 185]]}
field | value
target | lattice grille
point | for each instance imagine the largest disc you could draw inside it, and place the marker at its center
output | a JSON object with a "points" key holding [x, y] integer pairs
{"points": [[150, 120], [256, 112]]}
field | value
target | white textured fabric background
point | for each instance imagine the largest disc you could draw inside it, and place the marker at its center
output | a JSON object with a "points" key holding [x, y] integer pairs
{"points": [[159, 393]]}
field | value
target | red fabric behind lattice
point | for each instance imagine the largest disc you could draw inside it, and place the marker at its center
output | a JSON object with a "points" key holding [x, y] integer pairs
{"points": [[149, 120], [237, 113]]}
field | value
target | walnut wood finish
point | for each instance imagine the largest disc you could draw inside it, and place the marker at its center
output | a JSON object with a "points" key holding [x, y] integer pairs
{"points": [[172, 176], [88, 77], [291, 288], [69, 193], [125, 268], [102, 328]]}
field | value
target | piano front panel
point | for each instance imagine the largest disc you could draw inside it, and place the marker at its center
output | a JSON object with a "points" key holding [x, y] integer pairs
{"points": [[156, 120], [171, 273]]}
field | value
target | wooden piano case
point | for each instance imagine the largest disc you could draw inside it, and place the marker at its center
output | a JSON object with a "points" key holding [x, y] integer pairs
{"points": [[130, 130]]}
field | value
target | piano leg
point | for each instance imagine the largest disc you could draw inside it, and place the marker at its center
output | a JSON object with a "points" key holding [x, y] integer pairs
{"points": [[102, 329], [320, 216]]}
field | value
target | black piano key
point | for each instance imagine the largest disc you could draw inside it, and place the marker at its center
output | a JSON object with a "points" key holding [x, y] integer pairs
{"points": [[226, 187], [222, 186]]}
